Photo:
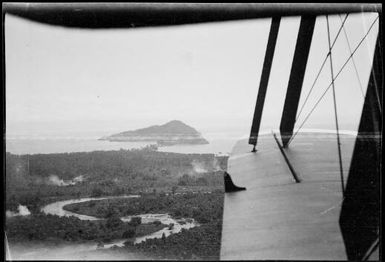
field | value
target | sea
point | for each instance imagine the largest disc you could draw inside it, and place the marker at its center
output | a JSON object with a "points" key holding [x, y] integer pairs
{"points": [[219, 144]]}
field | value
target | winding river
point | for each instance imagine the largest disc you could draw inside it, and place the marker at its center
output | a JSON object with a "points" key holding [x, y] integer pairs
{"points": [[56, 208]]}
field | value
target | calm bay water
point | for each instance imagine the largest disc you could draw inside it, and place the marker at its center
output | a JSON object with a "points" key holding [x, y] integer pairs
{"points": [[220, 143], [48, 146]]}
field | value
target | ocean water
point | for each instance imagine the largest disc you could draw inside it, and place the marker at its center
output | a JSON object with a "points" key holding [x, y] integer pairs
{"points": [[64, 145], [67, 145], [219, 143]]}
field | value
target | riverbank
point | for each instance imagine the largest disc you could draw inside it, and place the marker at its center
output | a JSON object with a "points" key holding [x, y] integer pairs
{"points": [[103, 229], [201, 242], [164, 181], [201, 206], [57, 249], [159, 235]]}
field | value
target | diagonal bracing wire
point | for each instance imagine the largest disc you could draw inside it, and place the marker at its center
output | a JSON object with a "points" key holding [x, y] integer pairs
{"points": [[354, 63], [335, 110], [320, 70], [339, 72]]}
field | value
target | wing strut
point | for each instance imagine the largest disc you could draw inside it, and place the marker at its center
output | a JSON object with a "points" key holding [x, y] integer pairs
{"points": [[360, 212], [296, 178], [297, 74], [264, 80], [335, 109]]}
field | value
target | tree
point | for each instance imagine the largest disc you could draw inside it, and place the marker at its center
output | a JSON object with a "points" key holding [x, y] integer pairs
{"points": [[111, 212], [164, 237], [201, 181], [118, 191], [113, 222], [135, 221], [78, 194], [173, 189], [129, 233], [185, 180], [96, 192], [177, 213]]}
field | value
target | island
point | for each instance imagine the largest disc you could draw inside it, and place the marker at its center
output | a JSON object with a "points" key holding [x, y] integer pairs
{"points": [[172, 133]]}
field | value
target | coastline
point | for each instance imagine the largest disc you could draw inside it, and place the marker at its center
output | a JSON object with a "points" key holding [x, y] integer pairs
{"points": [[219, 143]]}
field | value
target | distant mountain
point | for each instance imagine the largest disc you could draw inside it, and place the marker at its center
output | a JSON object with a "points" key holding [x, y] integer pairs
{"points": [[172, 133]]}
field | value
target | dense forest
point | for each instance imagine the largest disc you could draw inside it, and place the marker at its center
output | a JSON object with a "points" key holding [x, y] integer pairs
{"points": [[204, 207], [201, 242], [182, 185], [33, 180], [46, 227]]}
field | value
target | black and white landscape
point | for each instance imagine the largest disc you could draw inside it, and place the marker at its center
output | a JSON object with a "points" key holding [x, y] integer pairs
{"points": [[126, 200], [117, 139]]}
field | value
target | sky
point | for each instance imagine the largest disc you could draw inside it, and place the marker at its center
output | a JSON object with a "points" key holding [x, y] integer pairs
{"points": [[65, 81]]}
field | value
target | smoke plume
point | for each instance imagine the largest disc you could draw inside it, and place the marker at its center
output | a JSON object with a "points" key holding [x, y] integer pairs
{"points": [[22, 211], [56, 181], [216, 165], [201, 167], [198, 167]]}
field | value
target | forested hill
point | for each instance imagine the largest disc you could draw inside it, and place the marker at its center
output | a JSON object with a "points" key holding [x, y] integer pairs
{"points": [[173, 132], [172, 127]]}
